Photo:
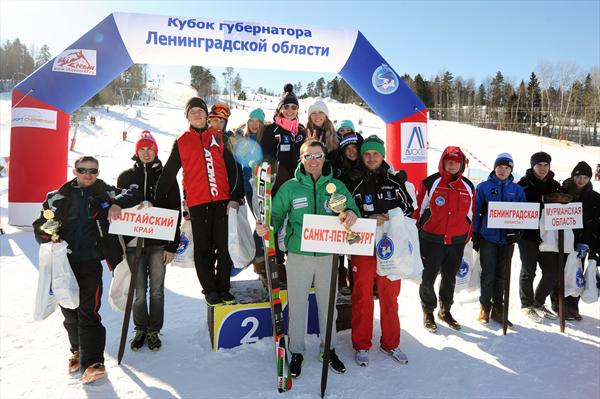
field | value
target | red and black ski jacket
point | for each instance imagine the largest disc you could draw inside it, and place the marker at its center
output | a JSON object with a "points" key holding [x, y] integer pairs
{"points": [[210, 172], [446, 204], [144, 177]]}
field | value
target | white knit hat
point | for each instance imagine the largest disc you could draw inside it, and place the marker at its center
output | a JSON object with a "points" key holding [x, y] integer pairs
{"points": [[319, 105]]}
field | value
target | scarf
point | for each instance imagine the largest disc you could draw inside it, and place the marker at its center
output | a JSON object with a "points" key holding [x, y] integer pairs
{"points": [[289, 125]]}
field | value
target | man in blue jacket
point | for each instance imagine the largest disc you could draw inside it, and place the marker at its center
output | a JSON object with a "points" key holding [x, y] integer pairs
{"points": [[495, 246]]}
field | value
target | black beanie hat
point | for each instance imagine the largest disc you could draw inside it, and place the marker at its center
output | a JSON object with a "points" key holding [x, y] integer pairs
{"points": [[540, 157], [195, 102], [288, 96], [582, 169]]}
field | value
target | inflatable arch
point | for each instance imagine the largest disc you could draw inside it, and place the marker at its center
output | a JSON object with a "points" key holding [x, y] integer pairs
{"points": [[43, 101]]}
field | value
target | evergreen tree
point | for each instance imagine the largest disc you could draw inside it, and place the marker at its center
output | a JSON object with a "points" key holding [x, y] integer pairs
{"points": [[43, 56], [422, 90], [202, 80], [481, 98]]}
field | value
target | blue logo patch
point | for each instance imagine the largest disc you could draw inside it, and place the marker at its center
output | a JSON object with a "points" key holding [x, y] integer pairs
{"points": [[368, 199], [462, 270], [580, 280], [440, 201], [285, 138], [183, 244], [385, 80], [385, 248]]}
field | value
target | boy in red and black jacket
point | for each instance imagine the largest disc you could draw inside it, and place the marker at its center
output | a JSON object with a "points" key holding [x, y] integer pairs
{"points": [[213, 185], [446, 203]]}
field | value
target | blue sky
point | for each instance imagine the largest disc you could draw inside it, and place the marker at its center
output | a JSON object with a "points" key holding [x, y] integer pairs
{"points": [[472, 39]]}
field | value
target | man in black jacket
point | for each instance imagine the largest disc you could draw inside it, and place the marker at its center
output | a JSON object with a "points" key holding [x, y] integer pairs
{"points": [[155, 253], [83, 207], [537, 182]]}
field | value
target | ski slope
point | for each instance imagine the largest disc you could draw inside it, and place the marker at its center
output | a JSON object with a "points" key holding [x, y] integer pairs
{"points": [[533, 360]]}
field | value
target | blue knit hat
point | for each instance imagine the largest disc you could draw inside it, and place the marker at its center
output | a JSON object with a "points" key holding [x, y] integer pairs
{"points": [[345, 123], [504, 159], [257, 114]]}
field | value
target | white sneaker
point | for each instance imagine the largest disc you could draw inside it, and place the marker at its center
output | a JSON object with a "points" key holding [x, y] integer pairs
{"points": [[362, 358], [532, 314], [396, 354], [543, 311]]}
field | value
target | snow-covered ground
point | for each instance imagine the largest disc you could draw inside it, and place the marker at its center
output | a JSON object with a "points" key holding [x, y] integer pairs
{"points": [[533, 360]]}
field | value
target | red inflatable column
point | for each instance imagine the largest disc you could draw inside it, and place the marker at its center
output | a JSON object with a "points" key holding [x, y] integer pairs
{"points": [[38, 156], [406, 145]]}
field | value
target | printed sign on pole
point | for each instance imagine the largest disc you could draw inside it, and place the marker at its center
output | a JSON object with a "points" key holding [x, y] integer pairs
{"points": [[326, 234], [563, 216], [158, 223], [513, 215]]}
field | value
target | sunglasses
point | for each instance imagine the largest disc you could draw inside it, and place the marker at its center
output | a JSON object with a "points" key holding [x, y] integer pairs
{"points": [[318, 156], [84, 171], [293, 107]]}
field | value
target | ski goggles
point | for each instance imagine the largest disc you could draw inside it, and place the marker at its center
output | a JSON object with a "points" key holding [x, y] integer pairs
{"points": [[85, 171], [318, 156], [219, 111]]}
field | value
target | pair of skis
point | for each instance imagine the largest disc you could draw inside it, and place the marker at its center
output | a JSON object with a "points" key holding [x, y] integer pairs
{"points": [[263, 195]]}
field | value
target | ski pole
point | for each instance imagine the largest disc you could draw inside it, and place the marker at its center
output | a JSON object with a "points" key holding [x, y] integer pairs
{"points": [[332, 298], [134, 270]]}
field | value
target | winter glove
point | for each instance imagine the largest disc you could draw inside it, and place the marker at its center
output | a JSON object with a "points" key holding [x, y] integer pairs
{"points": [[512, 236], [354, 175], [582, 250], [401, 176], [475, 240]]}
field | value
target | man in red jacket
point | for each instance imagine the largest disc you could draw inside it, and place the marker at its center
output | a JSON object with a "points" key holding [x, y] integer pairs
{"points": [[446, 202], [213, 185]]}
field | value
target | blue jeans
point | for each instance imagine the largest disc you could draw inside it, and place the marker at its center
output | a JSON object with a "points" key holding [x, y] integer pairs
{"points": [[151, 269]]}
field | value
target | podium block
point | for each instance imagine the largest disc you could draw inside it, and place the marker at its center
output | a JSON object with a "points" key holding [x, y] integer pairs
{"points": [[250, 319]]}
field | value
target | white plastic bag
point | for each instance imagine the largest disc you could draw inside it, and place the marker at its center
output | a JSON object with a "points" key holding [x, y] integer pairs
{"points": [[241, 243], [475, 280], [397, 247], [184, 255], [465, 270], [119, 286], [590, 290], [45, 301], [64, 283], [574, 281], [550, 239]]}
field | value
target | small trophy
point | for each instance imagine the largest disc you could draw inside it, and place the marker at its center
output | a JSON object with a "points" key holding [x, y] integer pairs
{"points": [[337, 203], [51, 226]]}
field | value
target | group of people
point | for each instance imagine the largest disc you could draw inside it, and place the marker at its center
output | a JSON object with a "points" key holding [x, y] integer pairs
{"points": [[217, 173]]}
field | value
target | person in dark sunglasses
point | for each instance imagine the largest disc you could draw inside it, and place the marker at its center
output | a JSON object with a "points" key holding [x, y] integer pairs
{"points": [[83, 207]]}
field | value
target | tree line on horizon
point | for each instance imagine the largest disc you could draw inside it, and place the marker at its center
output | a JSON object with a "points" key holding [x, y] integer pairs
{"points": [[554, 101]]}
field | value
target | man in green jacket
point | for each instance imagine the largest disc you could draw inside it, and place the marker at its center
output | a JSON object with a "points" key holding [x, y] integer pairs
{"points": [[306, 194]]}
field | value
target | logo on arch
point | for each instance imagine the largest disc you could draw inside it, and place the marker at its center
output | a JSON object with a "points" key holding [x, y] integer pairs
{"points": [[385, 80], [80, 61], [385, 248], [413, 142]]}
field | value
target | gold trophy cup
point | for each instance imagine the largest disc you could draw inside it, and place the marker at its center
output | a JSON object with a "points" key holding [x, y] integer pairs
{"points": [[337, 203], [51, 226]]}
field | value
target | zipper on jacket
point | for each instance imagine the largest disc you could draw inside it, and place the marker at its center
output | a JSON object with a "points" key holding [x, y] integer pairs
{"points": [[205, 167], [145, 181]]}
